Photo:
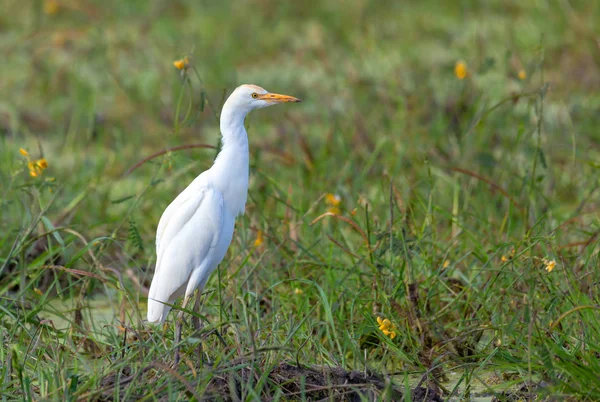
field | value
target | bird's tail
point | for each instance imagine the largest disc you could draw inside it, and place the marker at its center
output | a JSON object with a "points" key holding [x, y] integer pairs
{"points": [[160, 299], [157, 311]]}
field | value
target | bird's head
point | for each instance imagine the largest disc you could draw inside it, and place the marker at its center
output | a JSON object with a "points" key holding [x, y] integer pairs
{"points": [[249, 97]]}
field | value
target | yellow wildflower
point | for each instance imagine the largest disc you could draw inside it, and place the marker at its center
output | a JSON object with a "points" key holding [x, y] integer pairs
{"points": [[522, 74], [460, 70], [446, 264], [51, 7], [42, 163], [386, 327], [259, 239], [510, 256], [298, 291], [333, 200], [36, 167], [549, 264], [182, 64], [391, 334]]}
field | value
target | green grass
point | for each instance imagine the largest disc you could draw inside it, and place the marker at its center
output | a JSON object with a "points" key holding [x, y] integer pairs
{"points": [[452, 194]]}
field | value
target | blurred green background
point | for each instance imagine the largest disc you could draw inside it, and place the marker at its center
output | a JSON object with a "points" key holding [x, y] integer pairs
{"points": [[92, 86]]}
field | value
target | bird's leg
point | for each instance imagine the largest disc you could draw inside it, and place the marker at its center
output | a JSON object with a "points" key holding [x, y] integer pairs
{"points": [[179, 328], [197, 322]]}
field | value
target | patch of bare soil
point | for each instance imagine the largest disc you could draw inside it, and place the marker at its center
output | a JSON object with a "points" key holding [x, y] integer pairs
{"points": [[315, 384]]}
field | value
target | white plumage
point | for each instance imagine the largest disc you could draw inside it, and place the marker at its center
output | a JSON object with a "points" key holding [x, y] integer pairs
{"points": [[196, 229]]}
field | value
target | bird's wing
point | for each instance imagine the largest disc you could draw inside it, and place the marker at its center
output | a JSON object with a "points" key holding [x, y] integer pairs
{"points": [[174, 209], [188, 229], [180, 210]]}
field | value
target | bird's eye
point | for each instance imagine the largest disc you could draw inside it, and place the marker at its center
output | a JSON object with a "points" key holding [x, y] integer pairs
{"points": [[255, 95]]}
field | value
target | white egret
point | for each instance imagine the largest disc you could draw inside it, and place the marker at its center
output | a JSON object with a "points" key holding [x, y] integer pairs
{"points": [[196, 229]]}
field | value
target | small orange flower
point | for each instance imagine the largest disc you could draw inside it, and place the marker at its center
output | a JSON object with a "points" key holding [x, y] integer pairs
{"points": [[333, 200], [42, 163], [182, 64], [386, 327], [549, 264], [460, 70], [522, 74], [36, 167], [259, 239], [510, 256]]}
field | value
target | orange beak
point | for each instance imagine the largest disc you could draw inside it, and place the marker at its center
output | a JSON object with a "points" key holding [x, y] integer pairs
{"points": [[277, 98]]}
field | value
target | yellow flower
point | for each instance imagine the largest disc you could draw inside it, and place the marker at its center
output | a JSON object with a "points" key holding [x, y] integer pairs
{"points": [[510, 256], [522, 74], [259, 239], [386, 327], [550, 264], [182, 63], [298, 291], [23, 152], [460, 70], [446, 264], [334, 201], [51, 7], [391, 334], [36, 168], [42, 163]]}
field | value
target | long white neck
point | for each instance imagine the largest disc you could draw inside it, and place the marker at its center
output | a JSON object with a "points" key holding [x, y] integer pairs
{"points": [[231, 167]]}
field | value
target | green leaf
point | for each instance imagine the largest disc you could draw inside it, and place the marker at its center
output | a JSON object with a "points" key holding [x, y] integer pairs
{"points": [[48, 224], [123, 199], [134, 235]]}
